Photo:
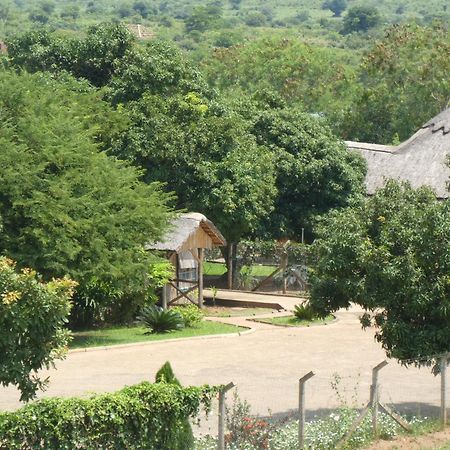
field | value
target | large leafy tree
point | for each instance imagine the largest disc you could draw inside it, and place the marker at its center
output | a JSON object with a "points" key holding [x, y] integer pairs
{"points": [[361, 18], [306, 76], [391, 255], [203, 153], [408, 67], [92, 57], [32, 318], [314, 170], [68, 208]]}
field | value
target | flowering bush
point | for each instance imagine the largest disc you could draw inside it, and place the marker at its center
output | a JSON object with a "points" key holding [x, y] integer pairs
{"points": [[32, 318], [320, 434]]}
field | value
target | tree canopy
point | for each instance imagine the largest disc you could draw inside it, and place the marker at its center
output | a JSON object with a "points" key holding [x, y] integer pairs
{"points": [[391, 255], [205, 155], [314, 170], [409, 66], [67, 208]]}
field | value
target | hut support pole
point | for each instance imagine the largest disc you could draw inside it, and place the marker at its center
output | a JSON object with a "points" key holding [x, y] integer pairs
{"points": [[200, 277], [230, 265], [165, 295]]}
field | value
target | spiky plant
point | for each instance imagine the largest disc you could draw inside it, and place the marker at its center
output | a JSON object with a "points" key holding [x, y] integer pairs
{"points": [[159, 320], [304, 311]]}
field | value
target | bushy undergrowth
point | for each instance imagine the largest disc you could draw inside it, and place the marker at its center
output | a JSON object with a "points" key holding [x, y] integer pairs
{"points": [[320, 434], [192, 315], [144, 416]]}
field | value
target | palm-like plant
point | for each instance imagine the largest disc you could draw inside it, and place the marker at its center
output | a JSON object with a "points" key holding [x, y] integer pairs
{"points": [[305, 311], [159, 320]]}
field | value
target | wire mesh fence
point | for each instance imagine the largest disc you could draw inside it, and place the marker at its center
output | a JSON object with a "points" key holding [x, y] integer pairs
{"points": [[348, 405]]}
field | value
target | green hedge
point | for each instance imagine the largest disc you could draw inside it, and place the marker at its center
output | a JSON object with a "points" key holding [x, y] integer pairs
{"points": [[144, 416]]}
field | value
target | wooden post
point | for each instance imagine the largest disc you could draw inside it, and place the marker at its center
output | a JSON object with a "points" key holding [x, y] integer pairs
{"points": [[284, 263], [301, 408], [374, 395], [444, 361], [230, 265], [222, 394], [200, 277], [165, 295]]}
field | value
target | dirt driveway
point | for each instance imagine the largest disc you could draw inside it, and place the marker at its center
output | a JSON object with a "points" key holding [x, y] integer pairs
{"points": [[265, 365]]}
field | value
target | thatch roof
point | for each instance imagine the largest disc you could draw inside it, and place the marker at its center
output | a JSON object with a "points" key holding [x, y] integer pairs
{"points": [[421, 160], [183, 228]]}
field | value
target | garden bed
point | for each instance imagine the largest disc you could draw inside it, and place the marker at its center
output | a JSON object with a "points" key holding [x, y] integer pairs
{"points": [[133, 334], [292, 321]]}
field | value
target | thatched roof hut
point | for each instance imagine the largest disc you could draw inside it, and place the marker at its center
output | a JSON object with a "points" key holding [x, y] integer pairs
{"points": [[422, 159], [190, 234]]}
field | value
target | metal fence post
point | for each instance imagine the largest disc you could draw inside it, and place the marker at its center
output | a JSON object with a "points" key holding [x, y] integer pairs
{"points": [[301, 408], [222, 394], [374, 395], [444, 361]]}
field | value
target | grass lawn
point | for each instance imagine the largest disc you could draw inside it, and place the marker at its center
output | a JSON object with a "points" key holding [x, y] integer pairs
{"points": [[226, 311], [217, 269], [128, 335], [292, 321]]}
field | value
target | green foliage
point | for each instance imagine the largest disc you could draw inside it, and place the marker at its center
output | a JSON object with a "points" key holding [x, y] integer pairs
{"points": [[406, 68], [315, 171], [183, 436], [165, 375], [204, 153], [337, 7], [305, 311], [32, 334], [156, 68], [144, 416], [93, 57], [361, 18], [391, 256], [159, 320], [75, 211], [203, 18], [307, 76], [192, 315]]}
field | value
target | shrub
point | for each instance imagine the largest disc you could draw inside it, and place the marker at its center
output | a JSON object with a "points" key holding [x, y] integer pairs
{"points": [[144, 416], [305, 312], [160, 320], [185, 435], [191, 314], [32, 319]]}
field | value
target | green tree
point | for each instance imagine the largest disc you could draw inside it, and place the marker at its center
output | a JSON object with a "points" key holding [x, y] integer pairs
{"points": [[68, 208], [337, 7], [205, 155], [306, 76], [203, 18], [92, 57], [156, 68], [408, 67], [314, 170], [361, 18], [391, 255], [32, 318]]}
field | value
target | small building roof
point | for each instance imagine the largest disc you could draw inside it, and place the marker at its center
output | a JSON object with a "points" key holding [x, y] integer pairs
{"points": [[140, 31], [422, 159], [183, 234]]}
